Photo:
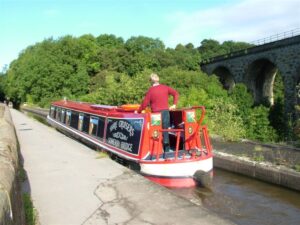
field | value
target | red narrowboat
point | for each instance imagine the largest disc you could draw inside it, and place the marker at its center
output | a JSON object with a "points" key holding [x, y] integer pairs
{"points": [[137, 139]]}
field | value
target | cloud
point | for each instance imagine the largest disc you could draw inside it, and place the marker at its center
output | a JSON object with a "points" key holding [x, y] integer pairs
{"points": [[247, 20]]}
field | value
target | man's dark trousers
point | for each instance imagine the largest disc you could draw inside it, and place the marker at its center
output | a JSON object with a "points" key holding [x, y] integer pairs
{"points": [[165, 115]]}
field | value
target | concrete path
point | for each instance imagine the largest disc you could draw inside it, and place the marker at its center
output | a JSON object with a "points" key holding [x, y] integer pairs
{"points": [[70, 184]]}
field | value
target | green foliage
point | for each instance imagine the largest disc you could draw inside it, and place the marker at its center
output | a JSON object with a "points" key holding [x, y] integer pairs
{"points": [[297, 168], [210, 48], [258, 125], [2, 86], [258, 158], [143, 44], [223, 120], [49, 70], [109, 41], [255, 119], [30, 212], [119, 88], [241, 96], [277, 117]]}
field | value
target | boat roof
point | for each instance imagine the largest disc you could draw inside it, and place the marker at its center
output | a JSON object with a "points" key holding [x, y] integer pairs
{"points": [[95, 108]]}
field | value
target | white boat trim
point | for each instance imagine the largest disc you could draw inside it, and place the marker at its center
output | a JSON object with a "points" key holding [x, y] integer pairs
{"points": [[185, 169]]}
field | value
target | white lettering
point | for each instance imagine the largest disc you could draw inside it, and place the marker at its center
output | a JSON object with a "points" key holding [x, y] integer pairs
{"points": [[113, 142], [126, 146], [113, 126], [127, 126], [120, 135]]}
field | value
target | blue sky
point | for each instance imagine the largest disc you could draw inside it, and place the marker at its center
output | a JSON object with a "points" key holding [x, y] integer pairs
{"points": [[25, 22]]}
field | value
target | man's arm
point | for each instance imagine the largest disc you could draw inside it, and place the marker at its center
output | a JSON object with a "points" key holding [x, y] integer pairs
{"points": [[175, 95], [145, 102]]}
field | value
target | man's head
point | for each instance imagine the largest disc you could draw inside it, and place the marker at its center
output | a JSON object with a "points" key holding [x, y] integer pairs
{"points": [[154, 78]]}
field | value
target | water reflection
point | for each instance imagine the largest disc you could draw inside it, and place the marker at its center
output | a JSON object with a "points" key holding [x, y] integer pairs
{"points": [[247, 201]]}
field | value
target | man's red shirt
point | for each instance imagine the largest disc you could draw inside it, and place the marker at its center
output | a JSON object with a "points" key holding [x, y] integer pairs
{"points": [[157, 97]]}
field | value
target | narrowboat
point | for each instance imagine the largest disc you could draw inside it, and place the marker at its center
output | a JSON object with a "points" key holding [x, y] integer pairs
{"points": [[137, 139]]}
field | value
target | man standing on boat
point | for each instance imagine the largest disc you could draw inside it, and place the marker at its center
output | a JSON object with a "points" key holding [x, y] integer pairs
{"points": [[157, 97]]}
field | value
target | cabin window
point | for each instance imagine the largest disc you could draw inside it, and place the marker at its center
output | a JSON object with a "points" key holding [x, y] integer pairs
{"points": [[52, 111], [68, 117], [63, 116], [74, 120], [58, 114], [80, 121], [93, 125], [101, 124], [86, 122]]}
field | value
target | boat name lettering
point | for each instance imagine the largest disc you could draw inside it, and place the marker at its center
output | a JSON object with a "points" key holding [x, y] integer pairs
{"points": [[126, 146], [114, 142], [113, 126], [120, 135], [120, 144], [127, 126]]}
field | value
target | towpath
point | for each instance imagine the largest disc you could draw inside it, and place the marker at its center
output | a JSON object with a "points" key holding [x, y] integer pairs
{"points": [[71, 184]]}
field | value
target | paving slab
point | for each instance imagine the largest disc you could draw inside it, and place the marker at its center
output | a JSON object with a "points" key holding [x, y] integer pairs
{"points": [[70, 184]]}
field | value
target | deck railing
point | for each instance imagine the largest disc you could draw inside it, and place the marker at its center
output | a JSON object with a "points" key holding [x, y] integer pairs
{"points": [[277, 37], [256, 43]]}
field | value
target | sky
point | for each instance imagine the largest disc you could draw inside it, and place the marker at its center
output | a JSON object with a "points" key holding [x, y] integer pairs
{"points": [[26, 22]]}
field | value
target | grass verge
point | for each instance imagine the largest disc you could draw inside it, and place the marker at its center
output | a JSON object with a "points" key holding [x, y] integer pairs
{"points": [[30, 211]]}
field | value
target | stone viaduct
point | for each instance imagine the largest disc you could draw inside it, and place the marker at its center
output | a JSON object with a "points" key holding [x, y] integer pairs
{"points": [[257, 67]]}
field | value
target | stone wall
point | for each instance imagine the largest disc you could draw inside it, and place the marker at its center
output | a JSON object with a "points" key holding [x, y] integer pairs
{"points": [[11, 207], [259, 170], [270, 163]]}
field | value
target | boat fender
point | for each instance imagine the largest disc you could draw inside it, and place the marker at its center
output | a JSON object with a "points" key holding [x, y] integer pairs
{"points": [[203, 178]]}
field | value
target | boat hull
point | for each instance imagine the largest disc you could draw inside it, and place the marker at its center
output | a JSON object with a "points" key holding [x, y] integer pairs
{"points": [[178, 174]]}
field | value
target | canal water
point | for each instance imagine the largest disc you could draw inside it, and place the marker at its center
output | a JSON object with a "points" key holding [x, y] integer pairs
{"points": [[246, 201], [242, 200]]}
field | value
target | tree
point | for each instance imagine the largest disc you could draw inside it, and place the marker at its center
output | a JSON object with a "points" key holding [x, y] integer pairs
{"points": [[2, 86], [48, 70], [209, 48], [110, 41], [143, 44]]}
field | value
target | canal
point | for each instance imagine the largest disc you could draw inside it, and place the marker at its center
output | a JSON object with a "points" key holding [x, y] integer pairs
{"points": [[246, 201], [242, 200]]}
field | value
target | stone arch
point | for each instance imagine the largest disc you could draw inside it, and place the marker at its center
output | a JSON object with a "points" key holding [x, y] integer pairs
{"points": [[225, 77], [260, 79]]}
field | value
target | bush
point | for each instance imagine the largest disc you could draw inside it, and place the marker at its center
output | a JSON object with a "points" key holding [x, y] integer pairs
{"points": [[258, 125], [222, 120]]}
